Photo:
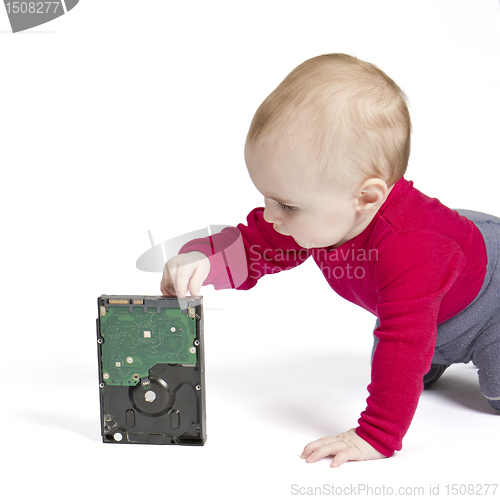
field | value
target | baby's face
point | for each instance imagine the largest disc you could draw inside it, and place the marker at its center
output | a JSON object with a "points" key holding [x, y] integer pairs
{"points": [[296, 201]]}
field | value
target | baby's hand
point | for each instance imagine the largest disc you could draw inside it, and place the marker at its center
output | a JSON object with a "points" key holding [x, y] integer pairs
{"points": [[345, 447], [183, 273]]}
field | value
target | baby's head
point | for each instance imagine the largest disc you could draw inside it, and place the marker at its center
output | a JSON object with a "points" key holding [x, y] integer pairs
{"points": [[333, 136]]}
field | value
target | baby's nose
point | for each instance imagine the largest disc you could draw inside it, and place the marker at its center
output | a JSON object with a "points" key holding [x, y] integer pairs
{"points": [[270, 216]]}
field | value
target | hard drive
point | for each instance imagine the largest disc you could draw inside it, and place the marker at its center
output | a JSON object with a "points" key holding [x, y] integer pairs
{"points": [[151, 369]]}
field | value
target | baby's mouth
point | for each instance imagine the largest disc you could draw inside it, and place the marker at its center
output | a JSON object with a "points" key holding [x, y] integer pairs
{"points": [[281, 229]]}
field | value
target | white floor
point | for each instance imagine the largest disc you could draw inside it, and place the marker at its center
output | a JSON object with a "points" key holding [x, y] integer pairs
{"points": [[124, 116], [275, 382]]}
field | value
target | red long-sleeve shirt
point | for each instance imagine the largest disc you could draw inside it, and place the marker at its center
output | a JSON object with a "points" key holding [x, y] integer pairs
{"points": [[416, 265]]}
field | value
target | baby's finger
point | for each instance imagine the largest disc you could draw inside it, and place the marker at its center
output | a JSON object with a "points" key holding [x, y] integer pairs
{"points": [[349, 454], [196, 281], [173, 277], [328, 449], [311, 447], [166, 284], [167, 289], [181, 279]]}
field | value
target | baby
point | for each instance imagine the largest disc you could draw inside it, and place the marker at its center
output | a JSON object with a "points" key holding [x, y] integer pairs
{"points": [[328, 150]]}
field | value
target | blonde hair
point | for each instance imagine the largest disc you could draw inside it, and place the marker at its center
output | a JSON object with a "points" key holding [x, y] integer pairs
{"points": [[348, 112]]}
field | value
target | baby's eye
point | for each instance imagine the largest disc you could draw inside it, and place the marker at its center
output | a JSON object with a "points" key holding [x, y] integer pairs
{"points": [[285, 207]]}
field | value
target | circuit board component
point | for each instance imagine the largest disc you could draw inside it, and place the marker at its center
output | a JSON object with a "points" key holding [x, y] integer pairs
{"points": [[136, 338]]}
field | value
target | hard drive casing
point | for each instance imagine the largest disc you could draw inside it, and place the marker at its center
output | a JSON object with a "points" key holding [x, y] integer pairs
{"points": [[151, 369]]}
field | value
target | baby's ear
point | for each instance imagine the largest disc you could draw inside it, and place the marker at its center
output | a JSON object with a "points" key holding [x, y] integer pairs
{"points": [[371, 195]]}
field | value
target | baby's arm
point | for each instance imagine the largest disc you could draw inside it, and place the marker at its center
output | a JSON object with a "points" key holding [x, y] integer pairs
{"points": [[407, 335], [348, 446], [238, 257]]}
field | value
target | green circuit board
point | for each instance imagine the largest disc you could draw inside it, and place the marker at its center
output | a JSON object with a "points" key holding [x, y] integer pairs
{"points": [[134, 341]]}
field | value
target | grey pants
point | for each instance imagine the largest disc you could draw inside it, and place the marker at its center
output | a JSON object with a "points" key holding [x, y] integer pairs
{"points": [[474, 334]]}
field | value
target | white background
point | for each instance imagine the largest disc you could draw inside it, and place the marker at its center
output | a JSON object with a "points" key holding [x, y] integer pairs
{"points": [[122, 117]]}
